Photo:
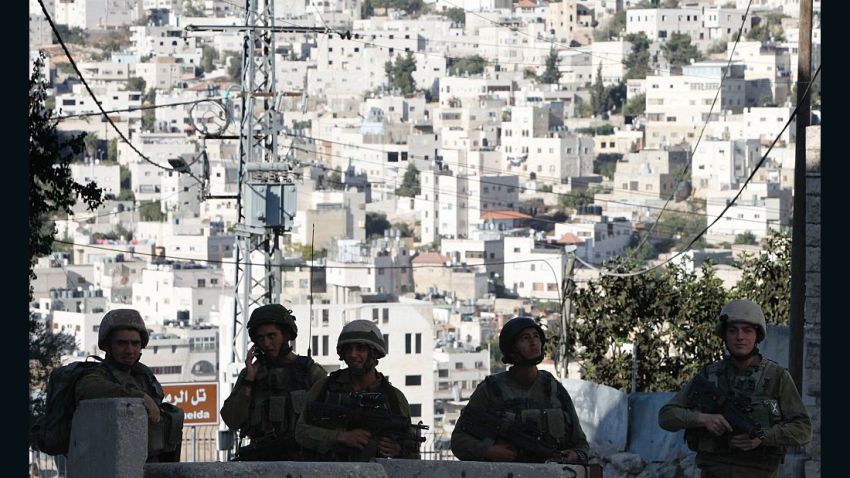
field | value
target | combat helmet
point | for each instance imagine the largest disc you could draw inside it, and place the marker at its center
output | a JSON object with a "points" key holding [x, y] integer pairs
{"points": [[118, 319], [362, 332], [742, 312], [273, 314], [509, 333]]}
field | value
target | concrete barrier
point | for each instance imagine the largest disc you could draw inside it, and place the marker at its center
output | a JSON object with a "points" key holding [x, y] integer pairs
{"points": [[109, 438], [265, 469], [477, 469]]}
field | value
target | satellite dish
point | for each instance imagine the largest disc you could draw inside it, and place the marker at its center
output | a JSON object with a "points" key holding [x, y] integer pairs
{"points": [[570, 248]]}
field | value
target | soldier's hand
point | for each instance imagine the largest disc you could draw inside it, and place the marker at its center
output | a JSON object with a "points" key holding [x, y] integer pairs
{"points": [[251, 364], [744, 442], [569, 455], [152, 408], [389, 448], [500, 453], [357, 438], [715, 423]]}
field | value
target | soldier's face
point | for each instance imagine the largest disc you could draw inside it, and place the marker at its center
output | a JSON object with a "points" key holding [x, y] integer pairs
{"points": [[270, 339], [529, 343], [740, 339], [357, 357], [125, 347]]}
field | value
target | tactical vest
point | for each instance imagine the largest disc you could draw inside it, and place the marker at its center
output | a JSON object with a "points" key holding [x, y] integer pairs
{"points": [[760, 385], [547, 413], [336, 392], [277, 399]]}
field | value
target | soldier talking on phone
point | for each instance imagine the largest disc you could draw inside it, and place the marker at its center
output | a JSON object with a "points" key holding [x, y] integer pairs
{"points": [[269, 394]]}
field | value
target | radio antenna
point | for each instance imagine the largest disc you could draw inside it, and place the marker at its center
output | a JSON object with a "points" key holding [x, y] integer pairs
{"points": [[310, 327]]}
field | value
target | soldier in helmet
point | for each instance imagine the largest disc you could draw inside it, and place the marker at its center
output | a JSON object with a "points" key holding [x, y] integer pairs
{"points": [[360, 346], [269, 393], [774, 410], [123, 335], [532, 401]]}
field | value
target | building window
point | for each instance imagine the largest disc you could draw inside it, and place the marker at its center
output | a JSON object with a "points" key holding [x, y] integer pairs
{"points": [[387, 342], [419, 343], [458, 365], [325, 316], [415, 410], [411, 380], [443, 372], [407, 343], [386, 313], [325, 345], [316, 344], [375, 315]]}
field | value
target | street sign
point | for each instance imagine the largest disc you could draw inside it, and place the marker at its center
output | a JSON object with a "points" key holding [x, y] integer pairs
{"points": [[198, 400]]}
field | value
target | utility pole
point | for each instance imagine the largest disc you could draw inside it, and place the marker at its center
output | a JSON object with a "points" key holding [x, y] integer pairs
{"points": [[798, 238], [567, 286], [266, 194]]}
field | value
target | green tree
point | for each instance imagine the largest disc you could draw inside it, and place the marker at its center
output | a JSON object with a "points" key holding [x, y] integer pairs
{"points": [[151, 211], [149, 115], [551, 75], [90, 144], [410, 183], [136, 83], [112, 151], [51, 191], [679, 50], [746, 237], [367, 10], [400, 74], [471, 65], [376, 224], [71, 35], [209, 56], [766, 278], [606, 164], [574, 199], [637, 63], [597, 94], [636, 105], [615, 26], [190, 10], [656, 327], [456, 15], [234, 68]]}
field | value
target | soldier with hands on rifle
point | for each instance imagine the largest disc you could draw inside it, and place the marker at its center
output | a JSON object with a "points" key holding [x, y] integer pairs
{"points": [[355, 414], [123, 335], [740, 412], [269, 394], [524, 414]]}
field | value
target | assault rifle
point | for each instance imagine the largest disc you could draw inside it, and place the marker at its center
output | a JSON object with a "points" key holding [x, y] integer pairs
{"points": [[734, 407], [525, 438], [365, 410], [272, 447]]}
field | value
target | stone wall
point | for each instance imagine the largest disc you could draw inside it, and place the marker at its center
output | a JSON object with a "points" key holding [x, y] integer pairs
{"points": [[812, 313]]}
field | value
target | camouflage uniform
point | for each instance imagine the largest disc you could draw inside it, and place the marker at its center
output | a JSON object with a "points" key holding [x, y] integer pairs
{"points": [[776, 407], [109, 381], [320, 443], [277, 400], [545, 405]]}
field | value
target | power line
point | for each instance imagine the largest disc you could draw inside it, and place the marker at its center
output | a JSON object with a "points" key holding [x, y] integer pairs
{"points": [[728, 206], [228, 262], [129, 110], [91, 93], [705, 125]]}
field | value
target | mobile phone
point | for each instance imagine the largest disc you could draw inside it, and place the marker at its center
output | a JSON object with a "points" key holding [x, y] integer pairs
{"points": [[258, 352]]}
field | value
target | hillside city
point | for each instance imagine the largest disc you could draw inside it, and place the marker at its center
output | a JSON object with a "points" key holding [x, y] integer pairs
{"points": [[454, 163]]}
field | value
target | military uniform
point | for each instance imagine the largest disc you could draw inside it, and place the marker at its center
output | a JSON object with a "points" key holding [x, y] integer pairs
{"points": [[777, 408], [545, 406], [108, 381], [271, 412], [320, 443]]}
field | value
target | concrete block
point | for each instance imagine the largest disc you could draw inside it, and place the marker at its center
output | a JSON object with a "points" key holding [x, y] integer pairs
{"points": [[813, 468], [813, 237], [813, 185], [813, 285], [477, 469], [603, 413], [265, 469], [109, 438], [813, 213], [813, 138], [793, 467], [813, 259], [812, 310]]}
